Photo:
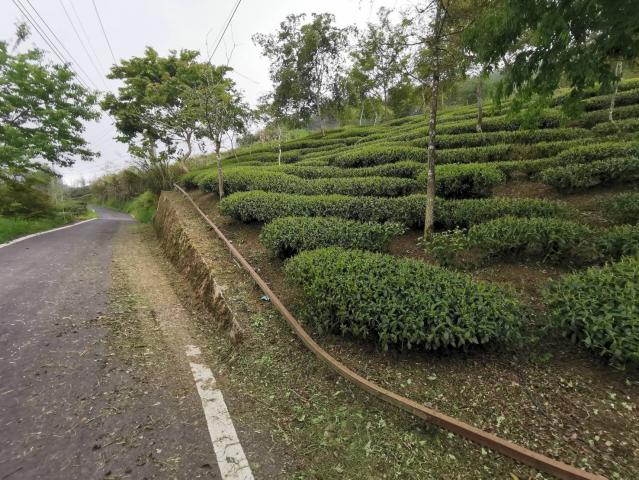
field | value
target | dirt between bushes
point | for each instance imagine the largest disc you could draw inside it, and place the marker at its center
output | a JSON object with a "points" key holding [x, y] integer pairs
{"points": [[549, 396]]}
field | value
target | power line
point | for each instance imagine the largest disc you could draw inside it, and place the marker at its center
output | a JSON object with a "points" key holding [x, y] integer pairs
{"points": [[77, 34], [88, 77], [86, 35], [47, 40], [95, 7], [228, 22]]}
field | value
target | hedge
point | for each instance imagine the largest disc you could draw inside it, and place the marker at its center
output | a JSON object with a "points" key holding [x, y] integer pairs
{"points": [[263, 207], [598, 151], [400, 302], [590, 119], [623, 208], [628, 97], [464, 180], [288, 236], [552, 239], [629, 125], [550, 119], [405, 169], [242, 180], [492, 138], [599, 308], [583, 176], [377, 155]]}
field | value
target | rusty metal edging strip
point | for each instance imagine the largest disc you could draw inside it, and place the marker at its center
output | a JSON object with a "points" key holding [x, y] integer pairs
{"points": [[505, 447]]}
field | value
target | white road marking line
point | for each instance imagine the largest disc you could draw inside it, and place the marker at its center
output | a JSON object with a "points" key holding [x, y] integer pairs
{"points": [[231, 460], [27, 237]]}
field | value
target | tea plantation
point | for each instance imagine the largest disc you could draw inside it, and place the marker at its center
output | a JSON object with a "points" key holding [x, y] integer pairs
{"points": [[553, 191]]}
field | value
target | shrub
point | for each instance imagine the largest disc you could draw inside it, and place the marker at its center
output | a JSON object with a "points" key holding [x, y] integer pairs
{"points": [[242, 180], [599, 308], [549, 238], [582, 176], [287, 236], [406, 169], [623, 208], [590, 119], [490, 153], [628, 125], [466, 212], [550, 119], [464, 180], [377, 155], [493, 138], [400, 302], [598, 151], [628, 97], [258, 206]]}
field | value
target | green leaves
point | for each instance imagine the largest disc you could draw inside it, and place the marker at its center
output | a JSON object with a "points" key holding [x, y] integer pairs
{"points": [[599, 308], [588, 175], [400, 302], [289, 235], [42, 110]]}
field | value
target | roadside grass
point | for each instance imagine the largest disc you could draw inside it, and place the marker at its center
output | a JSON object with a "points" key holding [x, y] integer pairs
{"points": [[142, 207], [14, 227]]}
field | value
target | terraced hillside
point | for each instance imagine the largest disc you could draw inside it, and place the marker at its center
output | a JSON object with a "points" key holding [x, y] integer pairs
{"points": [[527, 295]]}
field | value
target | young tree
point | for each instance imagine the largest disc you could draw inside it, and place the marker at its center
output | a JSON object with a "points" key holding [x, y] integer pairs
{"points": [[150, 109], [306, 61], [580, 42], [435, 31], [42, 110], [219, 108]]}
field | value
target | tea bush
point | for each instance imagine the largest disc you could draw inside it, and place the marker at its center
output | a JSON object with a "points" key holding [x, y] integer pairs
{"points": [[259, 206], [493, 138], [590, 119], [623, 98], [599, 308], [628, 125], [623, 208], [377, 155], [617, 242], [400, 302], [406, 169], [598, 151], [464, 180], [287, 236], [550, 119], [583, 176]]}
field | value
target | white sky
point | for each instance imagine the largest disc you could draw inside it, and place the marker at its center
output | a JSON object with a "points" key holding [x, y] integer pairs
{"points": [[132, 25]]}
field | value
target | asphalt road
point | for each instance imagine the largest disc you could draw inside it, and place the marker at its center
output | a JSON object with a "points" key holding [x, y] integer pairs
{"points": [[58, 379]]}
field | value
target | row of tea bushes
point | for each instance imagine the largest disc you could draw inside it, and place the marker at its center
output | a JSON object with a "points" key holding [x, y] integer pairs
{"points": [[593, 174], [401, 303], [549, 239], [263, 207], [287, 236]]}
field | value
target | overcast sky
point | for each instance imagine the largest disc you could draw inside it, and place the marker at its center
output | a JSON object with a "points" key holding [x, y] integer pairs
{"points": [[131, 25]]}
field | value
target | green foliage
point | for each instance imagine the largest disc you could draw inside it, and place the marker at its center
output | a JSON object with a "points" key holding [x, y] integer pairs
{"points": [[258, 206], [629, 97], [24, 198], [490, 153], [405, 169], [583, 176], [377, 155], [517, 136], [550, 239], [623, 208], [242, 180], [599, 308], [400, 302], [629, 125], [13, 227], [42, 113], [464, 180], [143, 207], [590, 119], [549, 119], [598, 151], [287, 236]]}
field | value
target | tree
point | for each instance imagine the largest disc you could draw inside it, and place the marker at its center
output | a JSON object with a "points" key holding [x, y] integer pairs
{"points": [[581, 42], [150, 108], [42, 110], [306, 63], [219, 109], [439, 57], [380, 56]]}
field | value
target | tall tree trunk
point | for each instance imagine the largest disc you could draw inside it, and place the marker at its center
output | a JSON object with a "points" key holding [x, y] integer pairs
{"points": [[429, 217], [361, 114], [220, 175], [480, 102], [618, 72], [279, 145]]}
